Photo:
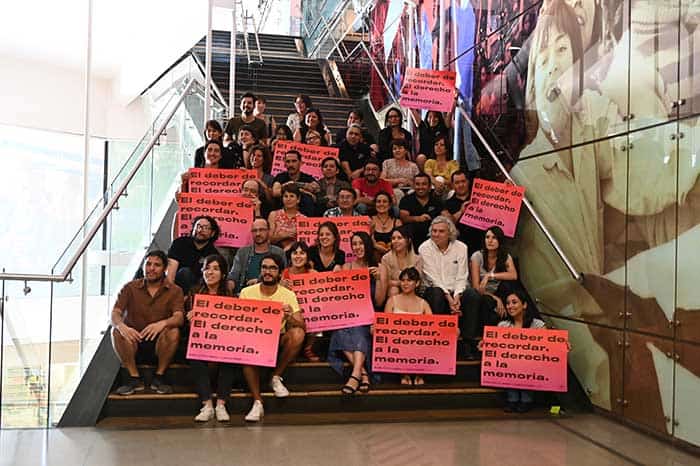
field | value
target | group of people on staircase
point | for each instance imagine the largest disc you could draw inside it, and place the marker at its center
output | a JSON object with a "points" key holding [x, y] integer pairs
{"points": [[420, 258]]}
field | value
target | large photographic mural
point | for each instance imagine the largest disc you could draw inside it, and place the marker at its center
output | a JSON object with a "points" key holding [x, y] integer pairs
{"points": [[594, 106]]}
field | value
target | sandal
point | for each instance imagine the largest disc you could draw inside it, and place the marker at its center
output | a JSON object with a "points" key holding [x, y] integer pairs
{"points": [[349, 389], [310, 355], [364, 386], [406, 380], [418, 380]]}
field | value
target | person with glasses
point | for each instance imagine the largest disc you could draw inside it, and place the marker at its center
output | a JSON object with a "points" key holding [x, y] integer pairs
{"points": [[392, 130], [186, 254], [245, 268], [292, 331]]}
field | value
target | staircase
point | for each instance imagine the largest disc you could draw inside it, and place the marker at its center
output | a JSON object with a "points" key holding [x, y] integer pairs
{"points": [[283, 73], [356, 69], [315, 397]]}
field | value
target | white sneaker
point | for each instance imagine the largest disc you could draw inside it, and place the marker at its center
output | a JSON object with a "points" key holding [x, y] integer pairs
{"points": [[278, 387], [256, 412], [221, 413], [205, 414]]}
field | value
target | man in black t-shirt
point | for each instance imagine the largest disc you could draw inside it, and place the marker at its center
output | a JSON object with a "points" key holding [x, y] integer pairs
{"points": [[355, 117], [306, 183], [419, 208], [454, 209], [353, 153], [258, 127], [187, 253]]}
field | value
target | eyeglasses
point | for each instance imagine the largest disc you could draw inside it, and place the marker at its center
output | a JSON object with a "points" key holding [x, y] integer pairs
{"points": [[202, 227], [259, 230], [269, 267]]}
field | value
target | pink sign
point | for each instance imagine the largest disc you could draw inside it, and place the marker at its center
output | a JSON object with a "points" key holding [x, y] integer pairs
{"points": [[494, 204], [234, 214], [311, 157], [415, 344], [307, 229], [428, 89], [218, 181], [232, 330], [525, 358], [333, 300]]}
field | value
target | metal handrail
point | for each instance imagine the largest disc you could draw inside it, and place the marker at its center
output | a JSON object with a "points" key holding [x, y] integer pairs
{"points": [[578, 276], [364, 11], [257, 39], [65, 274]]}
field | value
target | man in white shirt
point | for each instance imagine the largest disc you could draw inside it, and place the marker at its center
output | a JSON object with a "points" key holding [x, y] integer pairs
{"points": [[446, 275]]}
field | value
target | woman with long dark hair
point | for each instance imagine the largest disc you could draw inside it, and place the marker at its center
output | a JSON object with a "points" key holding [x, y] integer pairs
{"points": [[392, 130], [313, 121], [326, 254], [383, 223], [401, 256], [490, 270], [214, 283], [353, 343]]}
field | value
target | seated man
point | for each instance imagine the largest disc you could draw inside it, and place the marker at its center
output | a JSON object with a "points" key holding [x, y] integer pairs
{"points": [[454, 208], [419, 208], [353, 153], [446, 275], [369, 186], [186, 254], [245, 268], [294, 175], [292, 331], [355, 117], [146, 322], [346, 204], [329, 185]]}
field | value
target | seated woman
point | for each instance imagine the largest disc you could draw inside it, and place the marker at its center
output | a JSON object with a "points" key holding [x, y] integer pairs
{"points": [[313, 138], [313, 121], [383, 223], [302, 103], [428, 129], [353, 343], [283, 222], [519, 315], [441, 168], [299, 263], [392, 130], [260, 160], [282, 133], [213, 158], [213, 283], [326, 255], [399, 170], [212, 132], [401, 256], [490, 269], [408, 302], [246, 141]]}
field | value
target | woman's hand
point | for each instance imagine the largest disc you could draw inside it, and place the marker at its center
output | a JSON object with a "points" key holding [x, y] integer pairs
{"points": [[189, 315], [374, 272], [482, 284], [500, 308]]}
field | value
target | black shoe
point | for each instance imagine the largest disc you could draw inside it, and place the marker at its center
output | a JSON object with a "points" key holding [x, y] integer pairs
{"points": [[510, 407], [159, 386], [524, 407], [135, 384]]}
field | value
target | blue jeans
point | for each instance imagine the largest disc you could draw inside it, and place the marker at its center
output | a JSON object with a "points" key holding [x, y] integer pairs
{"points": [[522, 396]]}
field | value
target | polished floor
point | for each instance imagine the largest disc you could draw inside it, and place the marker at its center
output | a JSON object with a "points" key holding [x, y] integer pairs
{"points": [[580, 440]]}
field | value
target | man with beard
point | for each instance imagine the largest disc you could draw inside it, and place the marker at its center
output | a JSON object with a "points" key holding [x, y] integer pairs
{"points": [[245, 269], [419, 208], [306, 183], [370, 185], [291, 334], [186, 254], [247, 117], [146, 322]]}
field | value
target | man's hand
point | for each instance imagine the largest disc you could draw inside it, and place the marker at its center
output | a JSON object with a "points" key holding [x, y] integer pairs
{"points": [[129, 334], [287, 309], [152, 331]]}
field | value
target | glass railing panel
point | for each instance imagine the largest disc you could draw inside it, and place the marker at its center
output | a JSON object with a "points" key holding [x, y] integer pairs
{"points": [[25, 356]]}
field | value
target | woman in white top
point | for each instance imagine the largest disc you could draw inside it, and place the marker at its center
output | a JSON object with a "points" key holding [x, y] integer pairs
{"points": [[519, 316], [487, 269], [407, 302]]}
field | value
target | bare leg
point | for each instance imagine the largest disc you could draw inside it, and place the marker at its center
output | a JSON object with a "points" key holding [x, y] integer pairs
{"points": [[252, 378], [166, 345], [126, 352], [291, 345]]}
